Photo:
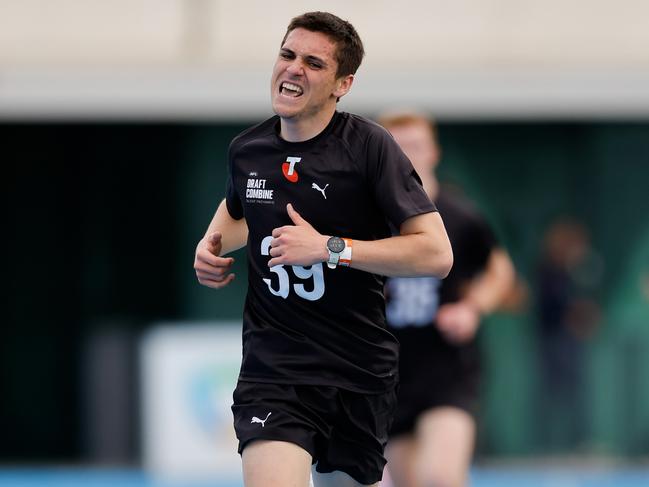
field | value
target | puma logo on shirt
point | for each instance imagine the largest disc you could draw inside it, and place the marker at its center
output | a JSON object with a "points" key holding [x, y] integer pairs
{"points": [[322, 190], [255, 419]]}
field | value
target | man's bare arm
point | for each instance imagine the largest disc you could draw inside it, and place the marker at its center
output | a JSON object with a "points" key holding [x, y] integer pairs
{"points": [[224, 235], [459, 321], [488, 290], [422, 248]]}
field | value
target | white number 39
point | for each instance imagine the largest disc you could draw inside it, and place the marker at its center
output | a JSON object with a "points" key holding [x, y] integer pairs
{"points": [[315, 271]]}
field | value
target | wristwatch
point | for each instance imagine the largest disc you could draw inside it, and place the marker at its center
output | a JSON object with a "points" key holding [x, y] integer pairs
{"points": [[340, 252]]}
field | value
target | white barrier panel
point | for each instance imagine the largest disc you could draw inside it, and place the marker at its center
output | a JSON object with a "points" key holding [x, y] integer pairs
{"points": [[188, 374]]}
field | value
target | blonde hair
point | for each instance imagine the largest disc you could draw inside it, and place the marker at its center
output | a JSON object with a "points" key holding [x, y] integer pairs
{"points": [[405, 118]]}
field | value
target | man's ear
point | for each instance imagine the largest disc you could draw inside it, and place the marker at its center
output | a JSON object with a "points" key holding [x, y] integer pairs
{"points": [[344, 84]]}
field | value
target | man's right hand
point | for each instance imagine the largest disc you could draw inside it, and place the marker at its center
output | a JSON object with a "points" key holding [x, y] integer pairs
{"points": [[211, 269]]}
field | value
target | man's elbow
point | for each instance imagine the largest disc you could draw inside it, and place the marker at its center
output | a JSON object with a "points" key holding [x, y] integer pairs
{"points": [[443, 263], [438, 263]]}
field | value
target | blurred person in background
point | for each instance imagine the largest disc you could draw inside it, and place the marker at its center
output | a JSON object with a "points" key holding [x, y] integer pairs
{"points": [[569, 276], [433, 435], [305, 187]]}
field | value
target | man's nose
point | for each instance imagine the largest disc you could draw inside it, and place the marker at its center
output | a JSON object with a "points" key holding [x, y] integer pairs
{"points": [[295, 67]]}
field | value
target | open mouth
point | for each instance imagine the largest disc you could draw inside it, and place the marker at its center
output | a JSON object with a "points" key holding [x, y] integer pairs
{"points": [[289, 89]]}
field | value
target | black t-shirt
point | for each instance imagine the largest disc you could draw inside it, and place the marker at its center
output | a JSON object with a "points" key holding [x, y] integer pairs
{"points": [[413, 302], [315, 325], [427, 358]]}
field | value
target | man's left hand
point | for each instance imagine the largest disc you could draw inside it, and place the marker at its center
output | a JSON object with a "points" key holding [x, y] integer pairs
{"points": [[458, 322], [297, 244]]}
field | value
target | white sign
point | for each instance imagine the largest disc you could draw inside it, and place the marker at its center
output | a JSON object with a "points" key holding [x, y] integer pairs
{"points": [[189, 372]]}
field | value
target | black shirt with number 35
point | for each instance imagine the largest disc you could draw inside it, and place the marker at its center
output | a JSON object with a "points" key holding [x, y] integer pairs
{"points": [[315, 325]]}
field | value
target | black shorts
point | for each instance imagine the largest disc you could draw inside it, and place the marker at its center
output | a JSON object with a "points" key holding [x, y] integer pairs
{"points": [[340, 429], [433, 373]]}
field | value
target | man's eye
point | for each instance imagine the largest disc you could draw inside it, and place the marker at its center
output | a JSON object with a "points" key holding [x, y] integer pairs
{"points": [[285, 55], [315, 65]]}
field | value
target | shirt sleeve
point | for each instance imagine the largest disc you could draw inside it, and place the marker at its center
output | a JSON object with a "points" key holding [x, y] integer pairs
{"points": [[482, 241], [473, 238], [232, 199], [397, 187]]}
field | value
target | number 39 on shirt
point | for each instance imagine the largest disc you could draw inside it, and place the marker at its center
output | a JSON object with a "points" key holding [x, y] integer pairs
{"points": [[314, 272]]}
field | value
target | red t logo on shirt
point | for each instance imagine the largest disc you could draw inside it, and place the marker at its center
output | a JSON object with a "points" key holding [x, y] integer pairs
{"points": [[288, 169]]}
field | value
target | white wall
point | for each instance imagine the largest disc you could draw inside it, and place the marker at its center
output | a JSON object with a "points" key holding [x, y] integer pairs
{"points": [[212, 58]]}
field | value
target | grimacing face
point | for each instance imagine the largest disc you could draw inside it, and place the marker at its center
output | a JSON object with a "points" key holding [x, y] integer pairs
{"points": [[304, 82]]}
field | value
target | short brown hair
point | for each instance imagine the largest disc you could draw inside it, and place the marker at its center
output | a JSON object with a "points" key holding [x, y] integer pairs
{"points": [[349, 47]]}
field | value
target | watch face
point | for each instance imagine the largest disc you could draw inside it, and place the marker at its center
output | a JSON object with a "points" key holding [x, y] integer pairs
{"points": [[336, 244]]}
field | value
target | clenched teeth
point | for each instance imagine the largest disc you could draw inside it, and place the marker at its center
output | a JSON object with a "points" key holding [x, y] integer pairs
{"points": [[294, 89]]}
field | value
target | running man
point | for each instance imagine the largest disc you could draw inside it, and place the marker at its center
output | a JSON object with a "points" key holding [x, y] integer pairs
{"points": [[313, 194], [432, 439]]}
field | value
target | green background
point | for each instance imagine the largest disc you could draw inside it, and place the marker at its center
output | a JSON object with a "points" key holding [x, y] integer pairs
{"points": [[102, 221]]}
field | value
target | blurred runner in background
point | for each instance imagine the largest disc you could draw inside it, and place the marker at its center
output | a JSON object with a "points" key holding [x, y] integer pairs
{"points": [[433, 434]]}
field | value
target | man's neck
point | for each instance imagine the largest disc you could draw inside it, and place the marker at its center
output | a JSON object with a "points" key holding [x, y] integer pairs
{"points": [[299, 130]]}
